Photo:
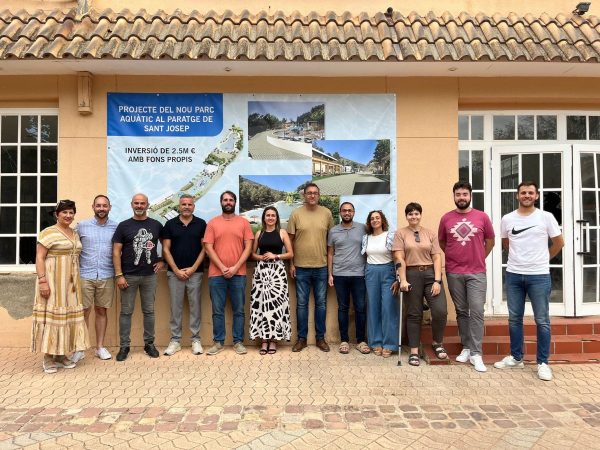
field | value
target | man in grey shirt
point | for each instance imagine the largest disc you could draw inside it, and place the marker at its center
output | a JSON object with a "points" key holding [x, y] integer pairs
{"points": [[346, 267]]}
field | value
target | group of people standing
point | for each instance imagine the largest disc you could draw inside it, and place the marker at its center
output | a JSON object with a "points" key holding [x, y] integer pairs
{"points": [[368, 264]]}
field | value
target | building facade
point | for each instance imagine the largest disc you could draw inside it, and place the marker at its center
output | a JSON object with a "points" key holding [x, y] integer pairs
{"points": [[494, 96]]}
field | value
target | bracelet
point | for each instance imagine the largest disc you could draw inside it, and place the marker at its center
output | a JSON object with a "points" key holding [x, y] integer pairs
{"points": [[41, 276], [40, 282], [437, 281], [398, 265], [117, 275]]}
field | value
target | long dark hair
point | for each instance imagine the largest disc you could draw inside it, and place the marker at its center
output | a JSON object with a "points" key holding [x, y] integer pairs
{"points": [[384, 222], [264, 224]]}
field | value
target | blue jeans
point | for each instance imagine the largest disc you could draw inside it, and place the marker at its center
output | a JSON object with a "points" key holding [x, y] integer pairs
{"points": [[344, 287], [305, 279], [147, 287], [537, 288], [383, 307], [219, 287]]}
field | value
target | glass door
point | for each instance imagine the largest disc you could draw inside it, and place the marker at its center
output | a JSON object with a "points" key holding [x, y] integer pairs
{"points": [[586, 184], [544, 164]]}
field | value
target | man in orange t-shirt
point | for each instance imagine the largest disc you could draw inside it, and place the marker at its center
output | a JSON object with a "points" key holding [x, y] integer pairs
{"points": [[228, 243]]}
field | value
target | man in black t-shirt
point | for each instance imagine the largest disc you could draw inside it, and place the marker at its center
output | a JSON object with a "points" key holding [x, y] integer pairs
{"points": [[184, 253], [136, 263]]}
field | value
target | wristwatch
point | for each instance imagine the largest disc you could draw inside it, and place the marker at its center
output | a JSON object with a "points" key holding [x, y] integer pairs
{"points": [[437, 281]]}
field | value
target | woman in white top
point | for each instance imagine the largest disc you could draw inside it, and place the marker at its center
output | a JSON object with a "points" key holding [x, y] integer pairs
{"points": [[380, 278]]}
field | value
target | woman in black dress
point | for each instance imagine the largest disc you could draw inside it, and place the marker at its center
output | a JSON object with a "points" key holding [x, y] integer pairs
{"points": [[270, 308]]}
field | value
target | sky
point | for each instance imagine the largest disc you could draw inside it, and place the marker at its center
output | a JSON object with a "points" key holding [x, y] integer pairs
{"points": [[360, 151], [286, 183], [281, 110]]}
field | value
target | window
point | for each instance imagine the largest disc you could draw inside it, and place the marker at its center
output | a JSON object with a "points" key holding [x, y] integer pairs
{"points": [[470, 128], [525, 127], [582, 128], [470, 168], [28, 180]]}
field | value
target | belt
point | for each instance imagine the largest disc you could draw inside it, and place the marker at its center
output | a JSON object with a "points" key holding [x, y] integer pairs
{"points": [[420, 268]]}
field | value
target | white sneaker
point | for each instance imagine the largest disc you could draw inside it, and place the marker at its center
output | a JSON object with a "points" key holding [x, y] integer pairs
{"points": [[77, 356], [103, 354], [197, 348], [173, 348], [509, 363], [477, 363], [544, 372], [464, 355]]}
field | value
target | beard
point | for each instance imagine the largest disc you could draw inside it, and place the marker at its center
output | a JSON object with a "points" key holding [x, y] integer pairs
{"points": [[139, 212], [463, 204], [101, 214], [347, 220], [228, 209]]}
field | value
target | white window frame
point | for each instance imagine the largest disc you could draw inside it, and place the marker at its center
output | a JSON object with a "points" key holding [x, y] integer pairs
{"points": [[27, 268]]}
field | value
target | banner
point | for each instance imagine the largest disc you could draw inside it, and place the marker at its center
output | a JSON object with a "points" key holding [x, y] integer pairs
{"points": [[263, 147]]}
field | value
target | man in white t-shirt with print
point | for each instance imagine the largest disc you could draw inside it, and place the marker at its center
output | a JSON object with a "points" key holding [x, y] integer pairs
{"points": [[525, 233]]}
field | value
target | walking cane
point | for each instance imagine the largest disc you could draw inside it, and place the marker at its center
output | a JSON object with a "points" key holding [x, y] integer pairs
{"points": [[400, 325], [400, 328]]}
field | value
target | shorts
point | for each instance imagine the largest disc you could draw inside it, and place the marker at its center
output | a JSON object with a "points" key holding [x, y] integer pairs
{"points": [[99, 293]]}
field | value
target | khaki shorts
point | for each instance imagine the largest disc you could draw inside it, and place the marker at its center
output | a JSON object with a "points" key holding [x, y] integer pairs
{"points": [[98, 292]]}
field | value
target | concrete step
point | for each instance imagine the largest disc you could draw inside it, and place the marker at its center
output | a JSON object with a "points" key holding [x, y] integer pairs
{"points": [[574, 340]]}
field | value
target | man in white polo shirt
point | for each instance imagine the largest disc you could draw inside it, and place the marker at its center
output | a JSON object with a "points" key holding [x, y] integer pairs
{"points": [[525, 233]]}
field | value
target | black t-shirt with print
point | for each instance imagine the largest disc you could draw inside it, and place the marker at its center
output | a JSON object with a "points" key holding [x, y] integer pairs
{"points": [[139, 239]]}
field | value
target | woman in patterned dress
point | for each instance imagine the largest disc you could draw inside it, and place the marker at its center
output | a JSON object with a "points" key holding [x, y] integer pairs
{"points": [[270, 308], [58, 323]]}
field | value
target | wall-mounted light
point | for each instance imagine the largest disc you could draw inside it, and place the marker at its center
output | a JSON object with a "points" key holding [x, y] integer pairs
{"points": [[452, 69], [582, 8], [227, 69]]}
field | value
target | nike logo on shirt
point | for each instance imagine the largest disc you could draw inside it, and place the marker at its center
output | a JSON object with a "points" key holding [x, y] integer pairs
{"points": [[520, 231]]}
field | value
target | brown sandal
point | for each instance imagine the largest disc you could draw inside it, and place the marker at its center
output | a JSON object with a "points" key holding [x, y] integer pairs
{"points": [[377, 351], [363, 348], [386, 353]]}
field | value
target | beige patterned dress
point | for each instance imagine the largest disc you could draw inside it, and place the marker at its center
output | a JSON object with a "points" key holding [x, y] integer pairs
{"points": [[58, 323]]}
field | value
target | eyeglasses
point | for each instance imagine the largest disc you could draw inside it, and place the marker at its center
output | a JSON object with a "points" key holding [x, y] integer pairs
{"points": [[311, 193], [417, 237], [347, 210]]}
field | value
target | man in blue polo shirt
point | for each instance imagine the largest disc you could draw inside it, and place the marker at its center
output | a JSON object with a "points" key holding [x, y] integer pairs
{"points": [[184, 253], [96, 270]]}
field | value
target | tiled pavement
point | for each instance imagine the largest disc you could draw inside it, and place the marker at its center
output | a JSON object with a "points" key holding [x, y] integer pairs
{"points": [[288, 400]]}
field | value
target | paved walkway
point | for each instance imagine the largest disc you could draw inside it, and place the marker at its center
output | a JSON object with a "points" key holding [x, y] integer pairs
{"points": [[344, 184], [259, 148], [292, 401]]}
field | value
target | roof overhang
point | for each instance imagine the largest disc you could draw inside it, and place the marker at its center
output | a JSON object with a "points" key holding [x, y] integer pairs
{"points": [[298, 68]]}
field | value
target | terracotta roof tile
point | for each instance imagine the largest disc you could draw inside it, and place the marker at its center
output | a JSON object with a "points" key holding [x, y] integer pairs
{"points": [[290, 37]]}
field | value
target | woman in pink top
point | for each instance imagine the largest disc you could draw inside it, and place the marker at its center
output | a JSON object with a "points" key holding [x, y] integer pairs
{"points": [[418, 259]]}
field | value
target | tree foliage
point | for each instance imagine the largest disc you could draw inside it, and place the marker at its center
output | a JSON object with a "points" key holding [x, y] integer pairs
{"points": [[381, 157]]}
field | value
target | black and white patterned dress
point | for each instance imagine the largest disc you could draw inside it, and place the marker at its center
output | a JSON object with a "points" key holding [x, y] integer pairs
{"points": [[270, 304]]}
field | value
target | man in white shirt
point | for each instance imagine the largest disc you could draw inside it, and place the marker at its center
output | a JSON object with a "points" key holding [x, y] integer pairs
{"points": [[525, 233]]}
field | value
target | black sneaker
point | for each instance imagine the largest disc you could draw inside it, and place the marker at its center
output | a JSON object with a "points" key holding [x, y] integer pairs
{"points": [[123, 353], [151, 351]]}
